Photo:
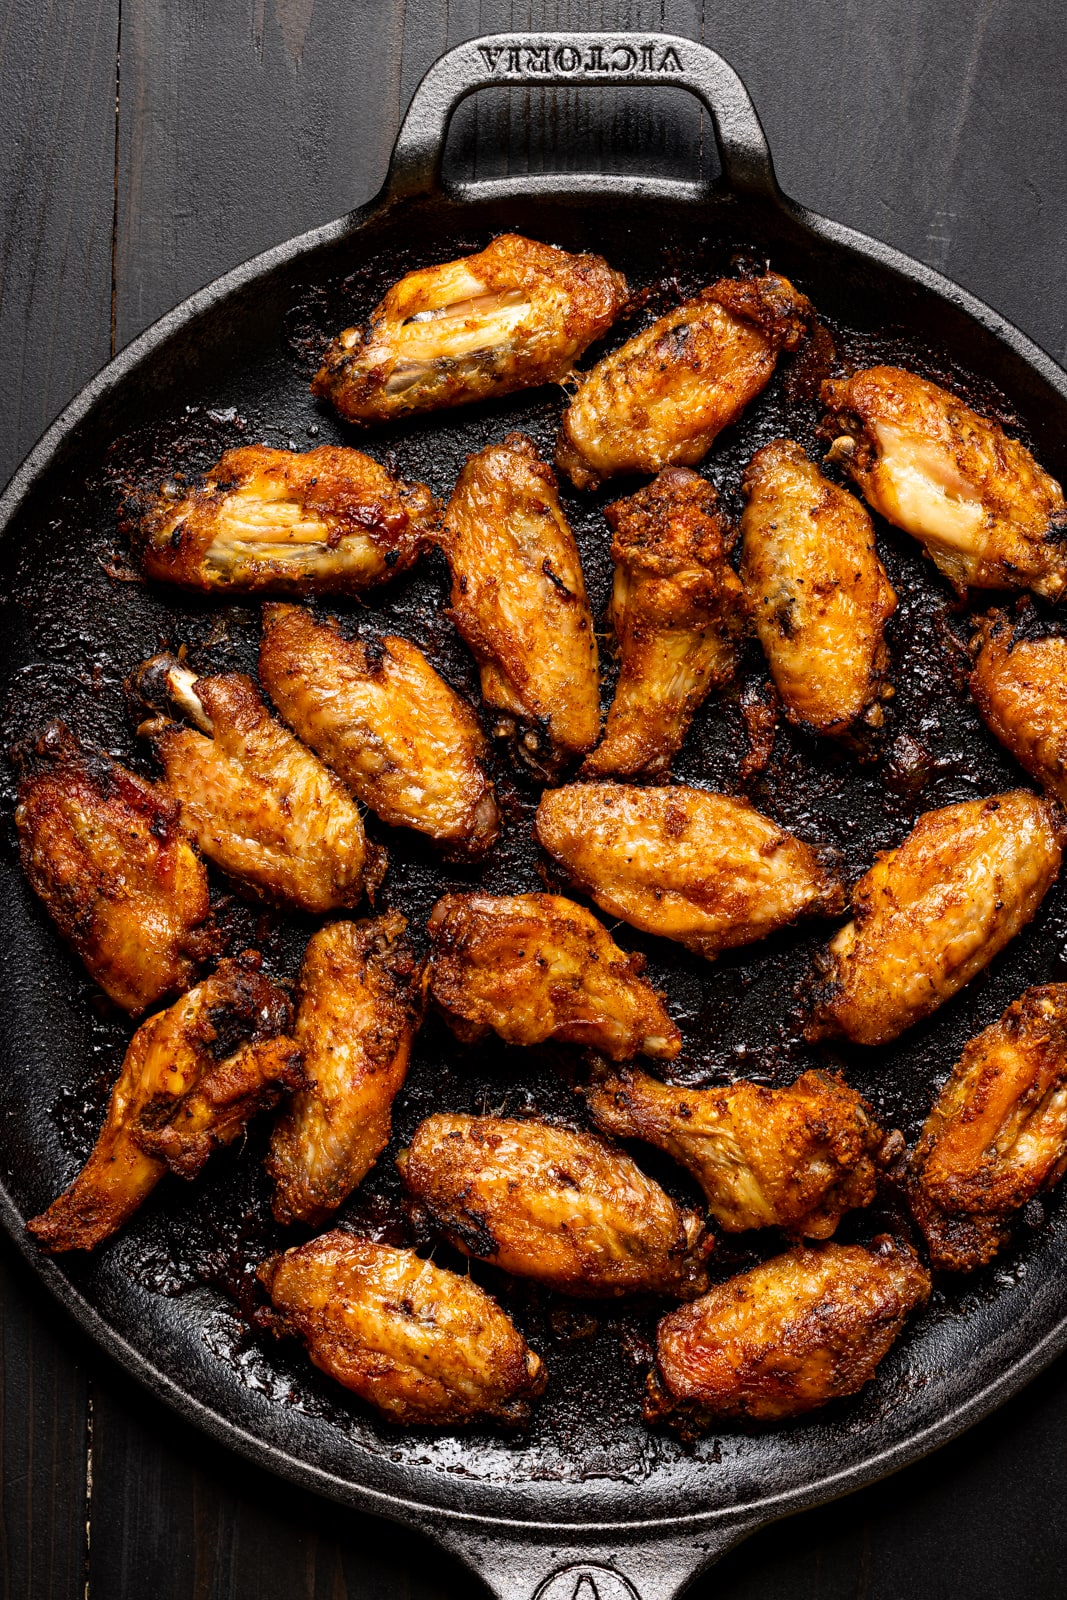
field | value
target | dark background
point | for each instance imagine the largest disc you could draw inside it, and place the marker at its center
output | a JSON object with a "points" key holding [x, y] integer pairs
{"points": [[148, 145]]}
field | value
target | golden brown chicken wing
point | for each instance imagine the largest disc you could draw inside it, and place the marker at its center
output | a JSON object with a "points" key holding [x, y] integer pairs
{"points": [[107, 855], [990, 517], [935, 911], [355, 1024], [517, 314], [786, 1337], [702, 868], [818, 592], [519, 600], [564, 1208], [678, 612], [397, 734], [536, 967], [1020, 687], [324, 521], [191, 1079], [795, 1158], [662, 398]]}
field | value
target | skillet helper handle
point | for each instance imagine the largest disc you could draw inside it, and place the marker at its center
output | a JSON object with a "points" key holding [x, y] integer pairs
{"points": [[580, 60]]}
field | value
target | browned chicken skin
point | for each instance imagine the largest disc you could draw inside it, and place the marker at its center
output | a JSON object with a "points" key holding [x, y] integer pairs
{"points": [[537, 967], [1020, 687], [516, 315], [397, 734], [191, 1079], [324, 521], [935, 911], [662, 398], [818, 592], [355, 1024], [990, 517], [107, 855], [519, 601], [678, 612], [795, 1158], [419, 1344], [564, 1208], [702, 868]]}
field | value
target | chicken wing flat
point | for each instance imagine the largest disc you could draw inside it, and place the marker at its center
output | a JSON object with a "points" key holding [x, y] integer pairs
{"points": [[519, 601], [107, 855], [564, 1208], [1020, 687], [997, 1135], [324, 521], [795, 1158], [191, 1079], [355, 1023], [704, 869], [990, 517], [663, 397], [516, 315], [790, 1335], [536, 967], [818, 592], [935, 911], [678, 612], [386, 722]]}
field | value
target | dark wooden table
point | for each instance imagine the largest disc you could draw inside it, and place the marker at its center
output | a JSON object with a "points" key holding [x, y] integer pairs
{"points": [[146, 146]]}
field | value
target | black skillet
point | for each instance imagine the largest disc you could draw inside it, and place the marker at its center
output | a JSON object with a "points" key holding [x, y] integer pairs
{"points": [[589, 1502]]}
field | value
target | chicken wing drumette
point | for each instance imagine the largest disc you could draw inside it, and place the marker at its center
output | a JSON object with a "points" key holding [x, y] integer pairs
{"points": [[397, 734], [519, 600], [419, 1344], [818, 592], [536, 967], [191, 1079], [990, 517], [516, 315], [663, 397], [1020, 687], [702, 868], [564, 1208]]}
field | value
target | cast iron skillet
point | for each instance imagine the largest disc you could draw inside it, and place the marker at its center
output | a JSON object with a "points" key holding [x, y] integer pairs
{"points": [[589, 1502]]}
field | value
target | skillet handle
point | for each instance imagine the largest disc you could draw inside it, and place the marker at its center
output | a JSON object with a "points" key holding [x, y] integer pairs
{"points": [[584, 60]]}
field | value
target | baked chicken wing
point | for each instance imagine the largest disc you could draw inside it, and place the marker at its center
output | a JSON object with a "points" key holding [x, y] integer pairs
{"points": [[564, 1208], [517, 314], [704, 869], [191, 1079], [935, 911], [990, 517], [663, 397], [1020, 687], [536, 967], [419, 1344], [397, 734], [355, 1024], [818, 592], [519, 601]]}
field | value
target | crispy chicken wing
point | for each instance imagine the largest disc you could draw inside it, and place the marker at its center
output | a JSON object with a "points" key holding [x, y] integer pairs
{"points": [[397, 734], [795, 1158], [536, 967], [1020, 687], [519, 600], [355, 1024], [419, 1344], [935, 911], [990, 517], [324, 521], [517, 314], [678, 612], [191, 1079], [786, 1337], [662, 398], [818, 592], [542, 1202], [702, 868], [107, 855]]}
